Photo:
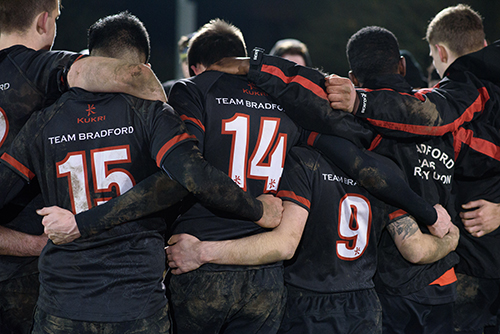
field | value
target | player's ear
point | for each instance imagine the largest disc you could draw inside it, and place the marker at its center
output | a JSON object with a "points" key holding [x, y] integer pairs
{"points": [[443, 53], [353, 79], [402, 66], [42, 21]]}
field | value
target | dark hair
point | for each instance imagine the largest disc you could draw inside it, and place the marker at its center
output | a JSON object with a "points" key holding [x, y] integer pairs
{"points": [[116, 34], [459, 27], [373, 51], [18, 15], [292, 47], [217, 39]]}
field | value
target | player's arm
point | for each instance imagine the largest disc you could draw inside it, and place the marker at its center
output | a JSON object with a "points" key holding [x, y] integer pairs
{"points": [[483, 217], [380, 177], [12, 242], [185, 252], [110, 75], [417, 247]]}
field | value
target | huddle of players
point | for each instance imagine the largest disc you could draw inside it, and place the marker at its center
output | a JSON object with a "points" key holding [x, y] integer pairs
{"points": [[239, 286]]}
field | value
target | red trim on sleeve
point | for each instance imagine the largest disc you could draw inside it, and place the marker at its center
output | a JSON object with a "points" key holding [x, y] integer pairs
{"points": [[304, 82], [446, 279], [312, 138], [480, 145], [19, 166], [169, 145], [193, 120], [292, 195], [375, 142], [475, 107], [397, 214]]}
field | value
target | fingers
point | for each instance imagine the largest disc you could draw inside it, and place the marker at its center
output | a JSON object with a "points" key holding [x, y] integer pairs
{"points": [[473, 204]]}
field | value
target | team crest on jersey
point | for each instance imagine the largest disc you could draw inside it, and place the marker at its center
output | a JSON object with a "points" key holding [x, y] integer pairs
{"points": [[90, 118], [253, 90]]}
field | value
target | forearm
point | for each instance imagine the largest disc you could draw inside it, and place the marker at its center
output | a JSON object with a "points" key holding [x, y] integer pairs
{"points": [[151, 195], [109, 75], [212, 187], [16, 243], [378, 175]]}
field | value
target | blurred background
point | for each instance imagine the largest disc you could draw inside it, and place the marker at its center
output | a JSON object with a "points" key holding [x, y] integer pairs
{"points": [[323, 25]]}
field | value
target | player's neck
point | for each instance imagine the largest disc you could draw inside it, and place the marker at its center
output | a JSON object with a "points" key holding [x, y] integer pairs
{"points": [[8, 40]]}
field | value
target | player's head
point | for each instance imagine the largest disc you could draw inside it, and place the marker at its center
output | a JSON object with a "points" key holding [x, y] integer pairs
{"points": [[452, 33], [33, 20], [120, 36], [215, 40], [371, 52], [293, 50]]}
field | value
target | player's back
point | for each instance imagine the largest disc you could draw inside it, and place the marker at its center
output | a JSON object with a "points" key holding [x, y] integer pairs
{"points": [[86, 149], [338, 248], [242, 132]]}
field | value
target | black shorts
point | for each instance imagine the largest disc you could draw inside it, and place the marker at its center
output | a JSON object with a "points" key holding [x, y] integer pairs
{"points": [[18, 298], [49, 324], [406, 316], [239, 302], [477, 305], [356, 312]]}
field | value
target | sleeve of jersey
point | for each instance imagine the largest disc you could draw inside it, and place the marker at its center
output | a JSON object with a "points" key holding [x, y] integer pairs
{"points": [[153, 194], [301, 91], [376, 174], [186, 101], [296, 183], [426, 112], [47, 70], [179, 156]]}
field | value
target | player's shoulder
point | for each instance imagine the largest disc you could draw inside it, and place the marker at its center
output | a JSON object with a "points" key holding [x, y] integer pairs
{"points": [[305, 155]]}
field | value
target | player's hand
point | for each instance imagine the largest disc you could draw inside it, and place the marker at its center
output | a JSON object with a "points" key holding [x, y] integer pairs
{"points": [[341, 93], [273, 211], [442, 224], [183, 253], [485, 217], [453, 236], [60, 224], [232, 65]]}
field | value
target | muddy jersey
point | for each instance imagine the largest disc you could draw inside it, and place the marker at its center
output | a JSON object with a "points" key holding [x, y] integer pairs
{"points": [[241, 131], [338, 248], [29, 80], [85, 149]]}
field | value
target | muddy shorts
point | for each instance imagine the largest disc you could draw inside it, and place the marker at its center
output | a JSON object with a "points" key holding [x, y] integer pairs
{"points": [[239, 302], [18, 298], [477, 305], [158, 323], [356, 312]]}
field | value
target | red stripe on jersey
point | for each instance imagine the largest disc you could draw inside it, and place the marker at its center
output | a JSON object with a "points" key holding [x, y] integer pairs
{"points": [[292, 195], [312, 138], [19, 166], [304, 82], [397, 214], [480, 145], [193, 120], [475, 107], [169, 145], [375, 142], [446, 279], [419, 94]]}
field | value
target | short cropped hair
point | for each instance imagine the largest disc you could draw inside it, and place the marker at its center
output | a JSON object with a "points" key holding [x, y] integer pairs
{"points": [[459, 27], [118, 34], [18, 15], [373, 51], [217, 39], [291, 46]]}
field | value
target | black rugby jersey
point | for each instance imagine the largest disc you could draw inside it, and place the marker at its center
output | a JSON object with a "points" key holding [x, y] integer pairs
{"points": [[29, 80], [338, 248], [85, 149], [244, 133]]}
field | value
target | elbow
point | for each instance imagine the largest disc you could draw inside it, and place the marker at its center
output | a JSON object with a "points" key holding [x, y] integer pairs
{"points": [[413, 253]]}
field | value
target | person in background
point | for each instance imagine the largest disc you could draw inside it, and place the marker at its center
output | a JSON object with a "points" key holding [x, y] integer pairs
{"points": [[293, 50]]}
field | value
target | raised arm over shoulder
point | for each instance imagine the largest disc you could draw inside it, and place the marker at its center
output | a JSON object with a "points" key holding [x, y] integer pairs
{"points": [[110, 75]]}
